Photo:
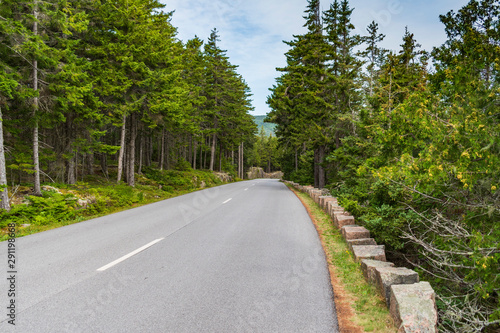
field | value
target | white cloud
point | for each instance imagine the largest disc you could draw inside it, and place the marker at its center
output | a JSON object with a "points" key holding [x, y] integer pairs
{"points": [[252, 31]]}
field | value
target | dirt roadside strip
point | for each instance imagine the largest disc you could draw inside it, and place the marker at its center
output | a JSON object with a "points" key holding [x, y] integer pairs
{"points": [[359, 307]]}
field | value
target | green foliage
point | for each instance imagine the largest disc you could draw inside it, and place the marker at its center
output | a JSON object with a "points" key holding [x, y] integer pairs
{"points": [[388, 224], [41, 210], [171, 179], [313, 100], [182, 165], [265, 152], [104, 64]]}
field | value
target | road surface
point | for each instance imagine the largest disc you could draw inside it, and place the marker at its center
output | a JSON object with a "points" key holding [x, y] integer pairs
{"points": [[242, 257]]}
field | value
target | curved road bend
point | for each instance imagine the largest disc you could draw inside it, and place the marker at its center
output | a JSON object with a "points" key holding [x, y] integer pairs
{"points": [[242, 257]]}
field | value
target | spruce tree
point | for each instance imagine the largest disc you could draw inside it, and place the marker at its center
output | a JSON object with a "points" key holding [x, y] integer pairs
{"points": [[373, 54], [299, 101], [345, 68], [217, 76]]}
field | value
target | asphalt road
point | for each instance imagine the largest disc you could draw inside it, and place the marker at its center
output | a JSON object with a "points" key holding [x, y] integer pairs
{"points": [[242, 257]]}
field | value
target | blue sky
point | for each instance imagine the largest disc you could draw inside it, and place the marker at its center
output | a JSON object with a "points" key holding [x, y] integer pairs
{"points": [[252, 31]]}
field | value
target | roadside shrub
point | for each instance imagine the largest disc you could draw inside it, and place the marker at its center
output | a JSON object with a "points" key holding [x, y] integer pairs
{"points": [[41, 210]]}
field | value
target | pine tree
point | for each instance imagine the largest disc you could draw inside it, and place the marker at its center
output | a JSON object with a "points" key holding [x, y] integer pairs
{"points": [[218, 75], [131, 46], [194, 63], [374, 55], [345, 66], [401, 74], [299, 101]]}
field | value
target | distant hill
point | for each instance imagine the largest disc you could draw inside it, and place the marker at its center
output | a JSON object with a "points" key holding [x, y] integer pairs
{"points": [[268, 127]]}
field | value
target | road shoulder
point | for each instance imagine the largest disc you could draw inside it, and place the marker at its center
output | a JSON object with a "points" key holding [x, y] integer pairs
{"points": [[359, 307]]}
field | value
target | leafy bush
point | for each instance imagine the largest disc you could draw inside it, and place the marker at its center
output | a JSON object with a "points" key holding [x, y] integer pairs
{"points": [[41, 210], [182, 165]]}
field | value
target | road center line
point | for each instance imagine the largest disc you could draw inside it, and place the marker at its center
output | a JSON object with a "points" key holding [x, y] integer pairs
{"points": [[246, 189], [125, 257], [227, 200]]}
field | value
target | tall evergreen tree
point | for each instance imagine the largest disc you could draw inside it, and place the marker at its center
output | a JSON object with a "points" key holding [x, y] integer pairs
{"points": [[300, 97], [226, 96], [373, 54], [345, 67]]}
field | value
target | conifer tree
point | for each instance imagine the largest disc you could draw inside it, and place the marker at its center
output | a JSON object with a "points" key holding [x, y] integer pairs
{"points": [[219, 72], [345, 67], [401, 74], [374, 54], [194, 66], [299, 101]]}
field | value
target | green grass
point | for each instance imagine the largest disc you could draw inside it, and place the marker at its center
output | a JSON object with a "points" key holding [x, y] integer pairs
{"points": [[370, 311], [54, 210]]}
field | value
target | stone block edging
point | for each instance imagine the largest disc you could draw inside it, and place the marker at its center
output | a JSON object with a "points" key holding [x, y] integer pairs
{"points": [[412, 303]]}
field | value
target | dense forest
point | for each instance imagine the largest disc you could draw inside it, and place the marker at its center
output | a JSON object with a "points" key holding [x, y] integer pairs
{"points": [[99, 86], [408, 140]]}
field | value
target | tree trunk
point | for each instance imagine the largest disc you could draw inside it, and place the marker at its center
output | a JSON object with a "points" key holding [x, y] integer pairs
{"points": [[75, 164], [70, 168], [36, 161], [195, 151], [131, 151], [4, 195], [239, 161], [189, 152], [316, 168], [321, 169], [162, 149], [148, 147], [167, 150], [206, 153], [122, 150], [141, 152], [104, 164], [149, 160], [212, 152], [220, 158], [296, 160], [90, 163], [201, 157], [337, 139]]}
